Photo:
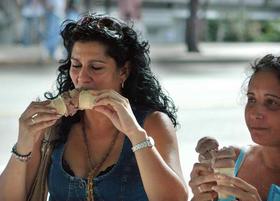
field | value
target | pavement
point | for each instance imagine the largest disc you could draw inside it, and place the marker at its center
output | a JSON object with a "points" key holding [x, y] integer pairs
{"points": [[161, 53]]}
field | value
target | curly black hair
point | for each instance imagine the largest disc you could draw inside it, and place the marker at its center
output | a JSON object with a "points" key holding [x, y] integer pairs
{"points": [[124, 46]]}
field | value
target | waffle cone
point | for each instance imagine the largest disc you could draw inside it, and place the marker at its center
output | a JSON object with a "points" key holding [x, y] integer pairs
{"points": [[226, 171], [86, 100], [59, 105]]}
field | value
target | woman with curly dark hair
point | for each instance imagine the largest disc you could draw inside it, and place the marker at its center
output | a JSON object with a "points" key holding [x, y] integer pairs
{"points": [[114, 126]]}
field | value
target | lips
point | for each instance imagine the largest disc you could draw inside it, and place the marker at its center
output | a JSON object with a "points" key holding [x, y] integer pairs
{"points": [[258, 128]]}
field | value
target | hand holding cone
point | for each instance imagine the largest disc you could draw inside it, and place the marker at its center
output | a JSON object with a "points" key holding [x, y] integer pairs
{"points": [[221, 160], [70, 102]]}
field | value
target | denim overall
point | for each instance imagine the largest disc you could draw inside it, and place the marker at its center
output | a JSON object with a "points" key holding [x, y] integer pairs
{"points": [[121, 183]]}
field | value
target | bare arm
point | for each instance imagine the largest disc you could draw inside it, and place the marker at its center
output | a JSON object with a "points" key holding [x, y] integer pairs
{"points": [[160, 165], [18, 176]]}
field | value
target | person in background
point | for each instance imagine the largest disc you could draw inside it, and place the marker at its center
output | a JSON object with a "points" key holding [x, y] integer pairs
{"points": [[55, 14], [125, 147], [72, 9], [257, 168], [32, 12], [131, 11]]}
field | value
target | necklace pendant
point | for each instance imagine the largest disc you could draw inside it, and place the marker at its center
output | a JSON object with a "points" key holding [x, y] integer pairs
{"points": [[94, 168], [90, 189]]}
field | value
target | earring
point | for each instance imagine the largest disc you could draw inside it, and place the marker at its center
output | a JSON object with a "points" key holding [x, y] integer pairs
{"points": [[122, 84]]}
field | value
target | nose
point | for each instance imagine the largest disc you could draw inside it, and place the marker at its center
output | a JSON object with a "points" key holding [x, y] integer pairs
{"points": [[84, 75], [257, 113]]}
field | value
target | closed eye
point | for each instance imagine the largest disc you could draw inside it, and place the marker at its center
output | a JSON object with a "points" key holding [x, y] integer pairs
{"points": [[76, 65], [96, 67]]}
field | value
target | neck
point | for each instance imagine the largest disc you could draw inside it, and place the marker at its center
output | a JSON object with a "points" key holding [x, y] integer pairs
{"points": [[96, 124], [271, 159]]}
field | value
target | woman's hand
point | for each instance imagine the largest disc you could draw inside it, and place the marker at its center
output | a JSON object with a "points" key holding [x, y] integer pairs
{"points": [[237, 187], [117, 108], [202, 181], [34, 120]]}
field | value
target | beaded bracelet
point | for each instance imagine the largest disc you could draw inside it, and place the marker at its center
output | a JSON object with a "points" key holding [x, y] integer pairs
{"points": [[22, 158]]}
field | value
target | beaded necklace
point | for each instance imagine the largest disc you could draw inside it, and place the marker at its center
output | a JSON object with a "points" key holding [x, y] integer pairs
{"points": [[94, 168]]}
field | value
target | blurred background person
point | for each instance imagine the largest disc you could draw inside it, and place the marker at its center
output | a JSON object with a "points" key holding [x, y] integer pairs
{"points": [[73, 9], [131, 11], [32, 12], [55, 13]]}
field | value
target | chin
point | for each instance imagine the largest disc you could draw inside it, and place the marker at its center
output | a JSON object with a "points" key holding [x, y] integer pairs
{"points": [[261, 137]]}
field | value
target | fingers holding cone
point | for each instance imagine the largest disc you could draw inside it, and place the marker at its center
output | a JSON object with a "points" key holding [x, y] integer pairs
{"points": [[221, 160]]}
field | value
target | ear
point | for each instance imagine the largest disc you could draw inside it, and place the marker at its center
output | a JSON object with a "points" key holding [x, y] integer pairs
{"points": [[125, 71]]}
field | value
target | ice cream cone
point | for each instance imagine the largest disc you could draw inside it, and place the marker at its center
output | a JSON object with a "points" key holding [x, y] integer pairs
{"points": [[226, 171], [59, 105], [86, 100]]}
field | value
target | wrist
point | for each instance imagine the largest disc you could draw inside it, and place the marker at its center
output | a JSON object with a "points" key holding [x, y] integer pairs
{"points": [[138, 137], [149, 142], [23, 147], [20, 156]]}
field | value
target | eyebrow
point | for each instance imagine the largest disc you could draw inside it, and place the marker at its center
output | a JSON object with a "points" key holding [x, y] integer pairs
{"points": [[268, 94], [93, 60], [274, 96]]}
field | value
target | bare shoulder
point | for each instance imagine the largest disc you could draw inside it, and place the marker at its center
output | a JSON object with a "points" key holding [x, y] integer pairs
{"points": [[250, 151], [236, 151], [158, 120], [159, 125]]}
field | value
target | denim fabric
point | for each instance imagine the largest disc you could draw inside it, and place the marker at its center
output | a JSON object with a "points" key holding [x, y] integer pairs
{"points": [[121, 183]]}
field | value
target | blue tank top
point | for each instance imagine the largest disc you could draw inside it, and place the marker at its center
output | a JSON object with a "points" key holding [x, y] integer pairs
{"points": [[121, 183], [274, 191]]}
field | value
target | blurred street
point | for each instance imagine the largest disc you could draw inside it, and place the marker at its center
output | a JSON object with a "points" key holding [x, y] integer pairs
{"points": [[206, 91], [201, 52]]}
